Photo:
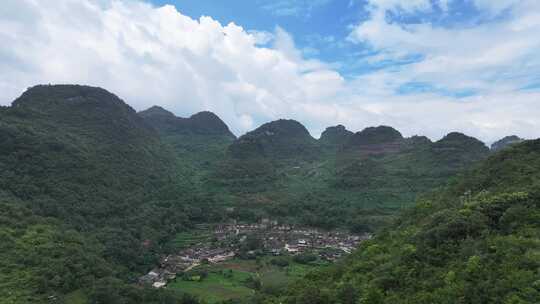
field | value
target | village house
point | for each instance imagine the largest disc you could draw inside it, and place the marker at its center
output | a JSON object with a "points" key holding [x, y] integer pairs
{"points": [[275, 239]]}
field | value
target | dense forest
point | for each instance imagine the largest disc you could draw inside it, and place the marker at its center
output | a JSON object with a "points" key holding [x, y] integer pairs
{"points": [[91, 193], [342, 180], [475, 241]]}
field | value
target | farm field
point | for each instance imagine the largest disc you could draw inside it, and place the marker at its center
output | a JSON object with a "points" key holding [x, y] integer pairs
{"points": [[239, 279], [215, 287]]}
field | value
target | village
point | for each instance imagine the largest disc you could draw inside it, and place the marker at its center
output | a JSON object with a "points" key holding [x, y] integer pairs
{"points": [[247, 241]]}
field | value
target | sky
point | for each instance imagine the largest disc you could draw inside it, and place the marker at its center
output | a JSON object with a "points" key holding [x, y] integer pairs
{"points": [[425, 67]]}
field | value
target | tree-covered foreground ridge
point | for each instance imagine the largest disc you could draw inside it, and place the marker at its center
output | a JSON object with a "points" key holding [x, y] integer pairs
{"points": [[95, 197], [476, 241]]}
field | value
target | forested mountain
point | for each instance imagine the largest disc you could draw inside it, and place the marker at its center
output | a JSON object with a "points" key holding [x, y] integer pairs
{"points": [[202, 123], [335, 137], [475, 241], [505, 142], [81, 147], [92, 192], [256, 160], [88, 192], [393, 164], [374, 140], [198, 141], [278, 140], [344, 179]]}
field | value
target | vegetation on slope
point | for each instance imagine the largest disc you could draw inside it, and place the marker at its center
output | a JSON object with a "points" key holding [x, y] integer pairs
{"points": [[202, 123], [357, 181], [335, 137], [199, 142], [89, 194], [475, 242], [98, 190], [505, 142], [278, 140]]}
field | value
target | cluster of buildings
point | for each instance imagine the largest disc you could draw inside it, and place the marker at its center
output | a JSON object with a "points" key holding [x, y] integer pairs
{"points": [[272, 238], [184, 261], [288, 239]]}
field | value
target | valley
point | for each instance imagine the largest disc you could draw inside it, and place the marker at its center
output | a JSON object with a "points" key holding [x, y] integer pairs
{"points": [[250, 242], [270, 152], [103, 204]]}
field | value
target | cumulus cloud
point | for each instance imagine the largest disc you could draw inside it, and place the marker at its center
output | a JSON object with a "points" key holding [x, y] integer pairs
{"points": [[490, 60], [156, 55], [501, 52]]}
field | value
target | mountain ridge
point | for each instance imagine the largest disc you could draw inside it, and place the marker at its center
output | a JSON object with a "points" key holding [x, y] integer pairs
{"points": [[201, 123], [83, 179], [506, 142], [335, 136], [79, 165], [470, 240], [281, 139]]}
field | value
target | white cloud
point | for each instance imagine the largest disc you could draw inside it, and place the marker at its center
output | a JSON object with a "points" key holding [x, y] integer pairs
{"points": [[476, 57], [262, 37], [153, 55], [156, 55], [493, 59]]}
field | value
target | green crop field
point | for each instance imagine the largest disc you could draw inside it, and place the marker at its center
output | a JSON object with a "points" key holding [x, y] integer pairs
{"points": [[234, 279], [216, 287]]}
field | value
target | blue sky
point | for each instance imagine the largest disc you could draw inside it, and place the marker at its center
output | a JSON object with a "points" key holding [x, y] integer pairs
{"points": [[425, 67], [319, 27]]}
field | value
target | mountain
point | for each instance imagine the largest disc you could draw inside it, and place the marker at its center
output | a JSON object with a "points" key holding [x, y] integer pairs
{"points": [[418, 140], [54, 133], [93, 193], [202, 123], [354, 180], [277, 140], [335, 137], [375, 135], [448, 156], [200, 141], [255, 162], [375, 140], [381, 160], [78, 108], [476, 241], [505, 142], [89, 195], [457, 147]]}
